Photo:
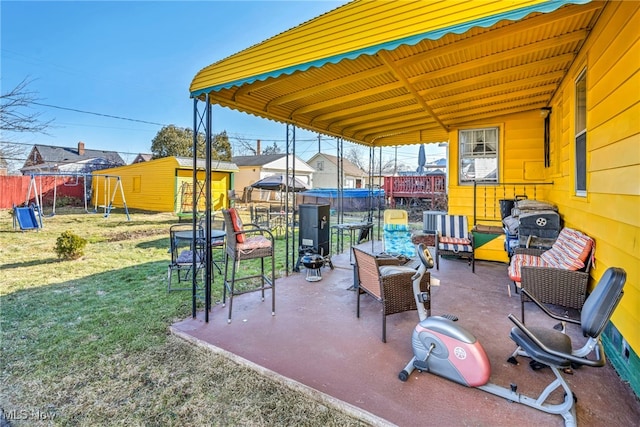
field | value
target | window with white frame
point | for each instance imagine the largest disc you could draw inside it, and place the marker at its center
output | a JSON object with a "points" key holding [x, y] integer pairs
{"points": [[320, 165], [478, 155], [581, 135]]}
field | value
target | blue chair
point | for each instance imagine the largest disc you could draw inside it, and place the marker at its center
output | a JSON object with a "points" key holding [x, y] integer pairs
{"points": [[396, 234]]}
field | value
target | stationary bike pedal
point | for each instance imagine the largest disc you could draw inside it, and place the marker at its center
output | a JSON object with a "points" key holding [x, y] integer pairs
{"points": [[536, 366]]}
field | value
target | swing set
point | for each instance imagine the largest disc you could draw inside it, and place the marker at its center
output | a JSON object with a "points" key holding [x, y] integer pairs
{"points": [[110, 184]]}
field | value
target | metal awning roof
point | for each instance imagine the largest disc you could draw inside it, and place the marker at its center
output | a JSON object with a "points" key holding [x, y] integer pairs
{"points": [[394, 73]]}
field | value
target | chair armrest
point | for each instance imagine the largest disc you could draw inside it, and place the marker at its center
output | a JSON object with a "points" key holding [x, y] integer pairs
{"points": [[555, 286], [547, 311], [529, 251], [388, 261], [255, 231]]}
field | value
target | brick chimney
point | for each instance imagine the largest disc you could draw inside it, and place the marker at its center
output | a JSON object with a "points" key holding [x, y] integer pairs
{"points": [[258, 150], [80, 148]]}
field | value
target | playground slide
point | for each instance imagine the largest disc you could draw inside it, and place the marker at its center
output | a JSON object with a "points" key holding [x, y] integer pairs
{"points": [[26, 218]]}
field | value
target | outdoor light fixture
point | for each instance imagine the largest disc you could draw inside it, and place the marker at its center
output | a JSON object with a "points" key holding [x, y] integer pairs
{"points": [[544, 112]]}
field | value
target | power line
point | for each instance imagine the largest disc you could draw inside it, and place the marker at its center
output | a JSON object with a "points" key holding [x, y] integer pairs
{"points": [[99, 114]]}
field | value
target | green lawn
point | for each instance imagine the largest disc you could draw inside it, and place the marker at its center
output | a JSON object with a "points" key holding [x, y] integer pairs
{"points": [[86, 342]]}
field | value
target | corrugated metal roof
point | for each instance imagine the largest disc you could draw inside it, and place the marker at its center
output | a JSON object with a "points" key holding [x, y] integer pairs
{"points": [[216, 165], [387, 73]]}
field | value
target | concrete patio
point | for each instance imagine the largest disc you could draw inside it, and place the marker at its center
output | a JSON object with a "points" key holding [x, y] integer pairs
{"points": [[316, 344]]}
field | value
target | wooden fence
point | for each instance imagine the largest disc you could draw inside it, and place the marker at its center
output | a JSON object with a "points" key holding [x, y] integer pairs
{"points": [[14, 189]]}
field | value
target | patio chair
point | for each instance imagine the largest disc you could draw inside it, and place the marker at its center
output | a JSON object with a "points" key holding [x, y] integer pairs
{"points": [[217, 243], [557, 276], [388, 283], [245, 242], [183, 263], [396, 236], [454, 239]]}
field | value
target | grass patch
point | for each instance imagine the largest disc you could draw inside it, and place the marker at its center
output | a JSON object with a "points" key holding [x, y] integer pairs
{"points": [[86, 341]]}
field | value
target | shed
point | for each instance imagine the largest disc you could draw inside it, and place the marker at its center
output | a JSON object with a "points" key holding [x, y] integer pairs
{"points": [[166, 184]]}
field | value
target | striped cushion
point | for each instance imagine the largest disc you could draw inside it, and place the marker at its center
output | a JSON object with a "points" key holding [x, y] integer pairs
{"points": [[453, 226], [518, 260], [454, 240], [569, 251]]}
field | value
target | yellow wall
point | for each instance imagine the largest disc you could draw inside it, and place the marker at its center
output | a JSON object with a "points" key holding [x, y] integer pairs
{"points": [[521, 159], [155, 185], [610, 213]]}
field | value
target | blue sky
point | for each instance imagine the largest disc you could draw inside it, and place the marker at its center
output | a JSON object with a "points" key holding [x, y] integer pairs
{"points": [[135, 60]]}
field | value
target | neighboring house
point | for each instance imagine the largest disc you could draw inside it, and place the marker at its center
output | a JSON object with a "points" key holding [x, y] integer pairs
{"points": [[254, 168], [326, 174], [166, 184], [142, 157], [51, 159]]}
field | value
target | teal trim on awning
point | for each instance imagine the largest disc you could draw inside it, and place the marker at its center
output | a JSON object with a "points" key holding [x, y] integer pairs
{"points": [[513, 15]]}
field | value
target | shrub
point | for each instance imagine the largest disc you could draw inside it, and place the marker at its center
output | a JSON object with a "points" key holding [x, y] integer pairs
{"points": [[70, 246]]}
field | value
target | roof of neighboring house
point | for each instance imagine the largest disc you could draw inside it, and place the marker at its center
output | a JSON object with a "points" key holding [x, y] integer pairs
{"points": [[256, 160], [142, 157], [348, 167], [274, 162], [53, 154]]}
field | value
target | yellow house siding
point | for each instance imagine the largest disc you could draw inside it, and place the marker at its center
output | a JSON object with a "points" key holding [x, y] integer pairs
{"points": [[521, 149], [610, 213]]}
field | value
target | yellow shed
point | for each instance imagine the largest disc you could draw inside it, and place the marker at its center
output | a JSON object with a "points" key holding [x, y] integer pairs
{"points": [[162, 185]]}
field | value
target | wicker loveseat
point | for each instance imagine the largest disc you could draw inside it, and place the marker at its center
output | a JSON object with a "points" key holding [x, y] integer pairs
{"points": [[558, 276], [388, 283]]}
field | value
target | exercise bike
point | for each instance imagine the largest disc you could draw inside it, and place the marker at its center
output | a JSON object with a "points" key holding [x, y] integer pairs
{"points": [[445, 348]]}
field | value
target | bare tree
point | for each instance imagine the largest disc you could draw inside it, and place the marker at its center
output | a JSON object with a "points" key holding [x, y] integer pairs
{"points": [[359, 156], [15, 117], [271, 149], [245, 147]]}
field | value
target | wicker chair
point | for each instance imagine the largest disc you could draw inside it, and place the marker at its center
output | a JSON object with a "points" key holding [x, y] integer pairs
{"points": [[388, 283], [245, 242], [553, 285]]}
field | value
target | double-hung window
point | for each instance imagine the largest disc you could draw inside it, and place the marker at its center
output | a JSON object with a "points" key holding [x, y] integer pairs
{"points": [[581, 135], [478, 155]]}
